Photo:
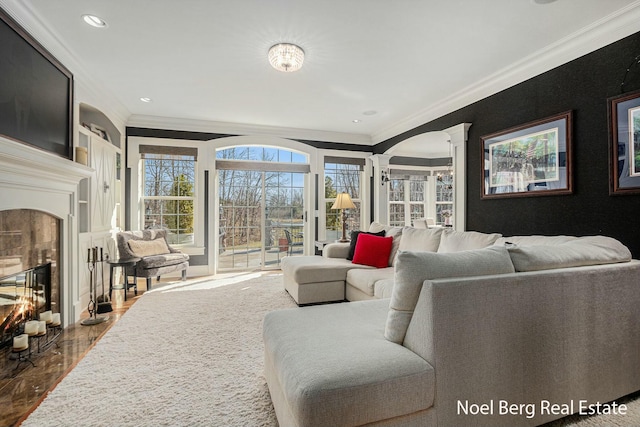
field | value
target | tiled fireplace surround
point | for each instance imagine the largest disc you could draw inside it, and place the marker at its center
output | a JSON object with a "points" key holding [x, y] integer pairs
{"points": [[34, 180]]}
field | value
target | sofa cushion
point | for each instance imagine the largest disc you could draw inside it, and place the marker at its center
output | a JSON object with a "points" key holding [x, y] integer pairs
{"points": [[383, 288], [420, 240], [365, 280], [344, 372], [143, 248], [535, 240], [590, 250], [354, 240], [395, 232], [316, 269], [454, 241], [413, 268], [373, 250], [155, 261]]}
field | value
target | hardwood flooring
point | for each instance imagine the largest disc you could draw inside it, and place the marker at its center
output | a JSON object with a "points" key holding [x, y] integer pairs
{"points": [[23, 386]]}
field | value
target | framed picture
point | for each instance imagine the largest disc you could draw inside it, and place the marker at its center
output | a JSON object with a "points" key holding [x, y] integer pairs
{"points": [[102, 132], [533, 159], [36, 92], [624, 138]]}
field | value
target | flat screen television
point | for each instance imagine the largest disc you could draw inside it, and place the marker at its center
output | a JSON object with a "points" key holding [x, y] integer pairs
{"points": [[36, 92]]}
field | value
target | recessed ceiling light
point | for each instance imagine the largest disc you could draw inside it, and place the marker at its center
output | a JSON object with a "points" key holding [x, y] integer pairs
{"points": [[144, 99], [370, 112], [356, 120], [94, 21]]}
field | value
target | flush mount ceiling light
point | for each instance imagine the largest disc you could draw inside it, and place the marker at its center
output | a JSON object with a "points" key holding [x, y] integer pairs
{"points": [[286, 57], [94, 21], [145, 99]]}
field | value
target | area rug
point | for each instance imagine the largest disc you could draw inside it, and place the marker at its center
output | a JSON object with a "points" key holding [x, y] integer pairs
{"points": [[186, 354], [191, 354]]}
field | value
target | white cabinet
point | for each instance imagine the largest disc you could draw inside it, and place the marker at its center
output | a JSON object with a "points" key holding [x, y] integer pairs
{"points": [[99, 202]]}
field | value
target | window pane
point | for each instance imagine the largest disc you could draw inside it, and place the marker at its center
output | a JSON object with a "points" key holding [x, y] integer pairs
{"points": [[340, 178], [396, 190], [396, 214], [416, 192]]}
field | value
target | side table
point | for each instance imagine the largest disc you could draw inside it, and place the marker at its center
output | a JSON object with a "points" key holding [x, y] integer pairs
{"points": [[320, 244], [124, 263]]}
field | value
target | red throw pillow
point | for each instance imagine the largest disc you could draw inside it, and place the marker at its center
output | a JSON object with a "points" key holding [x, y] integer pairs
{"points": [[373, 250]]}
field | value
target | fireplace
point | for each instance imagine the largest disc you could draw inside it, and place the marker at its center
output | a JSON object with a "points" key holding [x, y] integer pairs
{"points": [[29, 278], [23, 297], [39, 221]]}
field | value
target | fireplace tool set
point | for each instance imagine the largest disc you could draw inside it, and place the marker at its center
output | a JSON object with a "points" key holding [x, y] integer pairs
{"points": [[97, 305]]}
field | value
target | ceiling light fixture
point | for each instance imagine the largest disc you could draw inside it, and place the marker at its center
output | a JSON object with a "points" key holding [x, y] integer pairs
{"points": [[145, 99], [286, 57], [94, 21]]}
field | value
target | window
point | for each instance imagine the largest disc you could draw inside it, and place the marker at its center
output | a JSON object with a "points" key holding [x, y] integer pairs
{"points": [[342, 174], [406, 198], [396, 203], [444, 197], [169, 191]]}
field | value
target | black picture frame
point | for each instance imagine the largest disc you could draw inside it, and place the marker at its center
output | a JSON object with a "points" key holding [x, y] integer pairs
{"points": [[36, 92], [533, 159], [624, 157]]}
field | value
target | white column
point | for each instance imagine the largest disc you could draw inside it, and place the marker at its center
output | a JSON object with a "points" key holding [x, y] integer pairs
{"points": [[458, 135], [380, 192]]}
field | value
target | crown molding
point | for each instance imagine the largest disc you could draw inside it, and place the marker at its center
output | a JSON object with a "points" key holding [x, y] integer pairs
{"points": [[156, 122], [607, 30], [87, 89]]}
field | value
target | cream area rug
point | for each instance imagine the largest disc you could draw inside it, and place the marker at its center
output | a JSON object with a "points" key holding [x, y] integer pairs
{"points": [[191, 354], [187, 354]]}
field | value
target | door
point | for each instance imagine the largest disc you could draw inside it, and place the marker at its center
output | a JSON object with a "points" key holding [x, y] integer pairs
{"points": [[261, 218]]}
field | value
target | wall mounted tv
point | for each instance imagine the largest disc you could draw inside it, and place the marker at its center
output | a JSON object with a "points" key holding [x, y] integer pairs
{"points": [[36, 92]]}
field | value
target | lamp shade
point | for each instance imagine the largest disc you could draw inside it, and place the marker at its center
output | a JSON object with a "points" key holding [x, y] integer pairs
{"points": [[343, 201]]}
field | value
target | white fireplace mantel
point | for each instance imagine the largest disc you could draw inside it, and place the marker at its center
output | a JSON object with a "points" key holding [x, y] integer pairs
{"points": [[34, 179]]}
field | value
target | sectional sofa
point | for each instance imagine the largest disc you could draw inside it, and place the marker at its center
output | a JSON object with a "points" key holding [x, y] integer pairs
{"points": [[517, 333]]}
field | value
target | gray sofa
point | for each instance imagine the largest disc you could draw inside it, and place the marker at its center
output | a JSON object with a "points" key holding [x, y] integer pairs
{"points": [[157, 257], [529, 321]]}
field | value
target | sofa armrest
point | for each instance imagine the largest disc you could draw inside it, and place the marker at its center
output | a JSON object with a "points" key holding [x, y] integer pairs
{"points": [[336, 250], [527, 337]]}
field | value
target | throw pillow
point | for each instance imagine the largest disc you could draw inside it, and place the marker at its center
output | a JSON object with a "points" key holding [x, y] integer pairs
{"points": [[420, 240], [413, 268], [143, 248], [373, 250], [354, 240], [395, 232], [590, 250], [454, 241]]}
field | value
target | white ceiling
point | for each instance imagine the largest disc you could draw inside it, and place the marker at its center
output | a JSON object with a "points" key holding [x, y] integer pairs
{"points": [[410, 61]]}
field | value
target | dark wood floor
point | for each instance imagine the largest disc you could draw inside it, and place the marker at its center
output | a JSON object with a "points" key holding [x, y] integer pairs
{"points": [[23, 386]]}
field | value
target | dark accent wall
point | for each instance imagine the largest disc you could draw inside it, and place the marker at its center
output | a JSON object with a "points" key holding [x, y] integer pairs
{"points": [[582, 85]]}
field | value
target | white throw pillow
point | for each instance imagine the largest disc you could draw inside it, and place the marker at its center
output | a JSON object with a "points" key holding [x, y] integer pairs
{"points": [[143, 248], [413, 268], [420, 223], [420, 240], [454, 241], [590, 250]]}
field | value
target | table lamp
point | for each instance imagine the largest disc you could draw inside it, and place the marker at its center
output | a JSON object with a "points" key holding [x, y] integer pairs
{"points": [[343, 201]]}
